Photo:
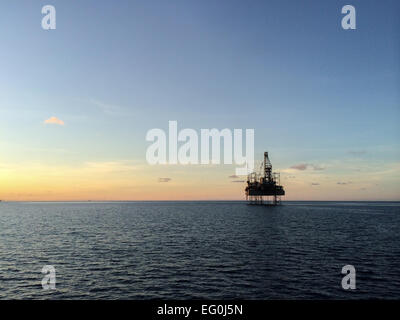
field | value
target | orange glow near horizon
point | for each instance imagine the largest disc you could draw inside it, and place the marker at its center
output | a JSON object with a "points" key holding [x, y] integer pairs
{"points": [[119, 181]]}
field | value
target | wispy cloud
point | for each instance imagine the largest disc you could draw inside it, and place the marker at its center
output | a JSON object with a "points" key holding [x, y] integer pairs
{"points": [[239, 181], [234, 176], [164, 179], [305, 166], [301, 166], [357, 152], [288, 177], [108, 108], [343, 183], [54, 120], [315, 184]]}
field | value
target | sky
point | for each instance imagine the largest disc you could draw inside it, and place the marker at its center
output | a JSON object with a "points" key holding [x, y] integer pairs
{"points": [[76, 102]]}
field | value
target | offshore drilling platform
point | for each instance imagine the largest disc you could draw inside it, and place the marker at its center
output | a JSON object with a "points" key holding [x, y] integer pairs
{"points": [[264, 188]]}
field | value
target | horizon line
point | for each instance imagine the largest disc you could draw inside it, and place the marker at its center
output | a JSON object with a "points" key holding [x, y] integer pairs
{"points": [[211, 200]]}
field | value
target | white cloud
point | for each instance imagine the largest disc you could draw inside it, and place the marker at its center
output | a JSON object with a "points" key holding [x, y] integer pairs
{"points": [[54, 120]]}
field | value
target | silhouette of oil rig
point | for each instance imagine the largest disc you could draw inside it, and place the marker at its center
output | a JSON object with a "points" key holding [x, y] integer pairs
{"points": [[264, 188]]}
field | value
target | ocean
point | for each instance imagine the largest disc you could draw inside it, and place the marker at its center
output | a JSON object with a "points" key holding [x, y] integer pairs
{"points": [[199, 250]]}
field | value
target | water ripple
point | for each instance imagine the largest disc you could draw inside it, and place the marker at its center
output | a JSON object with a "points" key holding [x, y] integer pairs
{"points": [[213, 250]]}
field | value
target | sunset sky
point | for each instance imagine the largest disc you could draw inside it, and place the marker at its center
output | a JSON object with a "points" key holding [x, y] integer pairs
{"points": [[76, 102]]}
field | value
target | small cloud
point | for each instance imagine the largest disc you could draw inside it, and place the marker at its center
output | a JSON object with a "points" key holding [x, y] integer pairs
{"points": [[291, 177], [54, 120], [305, 166], [164, 179], [343, 183], [301, 166], [239, 181], [233, 176], [315, 184]]}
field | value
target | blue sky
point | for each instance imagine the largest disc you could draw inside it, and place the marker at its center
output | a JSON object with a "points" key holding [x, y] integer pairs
{"points": [[313, 92]]}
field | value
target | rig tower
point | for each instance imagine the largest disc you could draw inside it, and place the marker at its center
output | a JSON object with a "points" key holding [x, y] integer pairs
{"points": [[261, 186]]}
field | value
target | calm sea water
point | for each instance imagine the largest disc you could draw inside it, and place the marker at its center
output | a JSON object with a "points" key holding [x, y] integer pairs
{"points": [[213, 250]]}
